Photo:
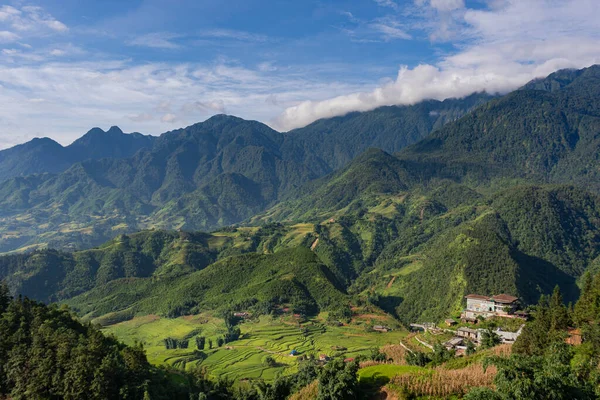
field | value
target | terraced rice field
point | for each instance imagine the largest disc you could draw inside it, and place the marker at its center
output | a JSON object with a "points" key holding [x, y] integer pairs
{"points": [[260, 339]]}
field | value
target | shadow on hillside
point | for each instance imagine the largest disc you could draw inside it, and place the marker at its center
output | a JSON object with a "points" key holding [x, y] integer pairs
{"points": [[538, 276], [389, 304]]}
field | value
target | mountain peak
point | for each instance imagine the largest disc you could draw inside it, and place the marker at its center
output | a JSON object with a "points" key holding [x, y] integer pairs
{"points": [[99, 131], [562, 78], [115, 130]]}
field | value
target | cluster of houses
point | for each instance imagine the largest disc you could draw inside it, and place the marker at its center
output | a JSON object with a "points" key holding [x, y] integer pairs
{"points": [[479, 308], [483, 307]]}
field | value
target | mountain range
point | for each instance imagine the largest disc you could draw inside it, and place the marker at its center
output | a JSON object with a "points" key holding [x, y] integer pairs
{"points": [[208, 175], [44, 155], [408, 208]]}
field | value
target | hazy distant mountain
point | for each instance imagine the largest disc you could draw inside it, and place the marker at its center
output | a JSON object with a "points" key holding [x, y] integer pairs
{"points": [[44, 155]]}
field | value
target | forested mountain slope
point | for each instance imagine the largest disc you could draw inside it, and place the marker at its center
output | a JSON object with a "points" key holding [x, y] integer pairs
{"points": [[533, 134], [481, 205], [205, 176]]}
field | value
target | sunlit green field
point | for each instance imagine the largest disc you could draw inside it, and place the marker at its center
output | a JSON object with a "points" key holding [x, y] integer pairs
{"points": [[381, 374], [245, 358]]}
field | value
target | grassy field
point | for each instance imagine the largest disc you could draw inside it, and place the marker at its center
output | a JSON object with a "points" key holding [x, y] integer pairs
{"points": [[381, 374], [275, 337]]}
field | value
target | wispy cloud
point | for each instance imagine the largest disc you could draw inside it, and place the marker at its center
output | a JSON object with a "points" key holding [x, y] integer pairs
{"points": [[390, 29], [235, 35], [8, 37], [387, 28], [388, 3], [158, 40], [30, 20]]}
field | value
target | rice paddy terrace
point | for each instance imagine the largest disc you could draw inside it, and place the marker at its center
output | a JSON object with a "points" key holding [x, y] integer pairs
{"points": [[261, 338]]}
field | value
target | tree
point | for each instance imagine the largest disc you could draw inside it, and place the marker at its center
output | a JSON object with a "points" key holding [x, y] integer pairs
{"points": [[210, 344], [307, 373], [220, 341], [587, 308], [548, 325], [483, 393], [4, 296], [441, 354], [550, 376], [377, 355], [489, 339], [471, 349], [559, 314], [338, 381], [417, 358], [279, 390], [200, 342], [270, 361], [233, 334]]}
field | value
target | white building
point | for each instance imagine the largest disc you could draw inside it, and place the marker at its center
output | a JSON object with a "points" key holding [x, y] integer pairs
{"points": [[502, 305]]}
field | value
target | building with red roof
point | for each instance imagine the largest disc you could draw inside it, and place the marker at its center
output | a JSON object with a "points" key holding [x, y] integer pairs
{"points": [[501, 305]]}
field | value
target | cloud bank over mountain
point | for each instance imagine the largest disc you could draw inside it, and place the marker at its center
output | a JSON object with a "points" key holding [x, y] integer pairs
{"points": [[498, 49]]}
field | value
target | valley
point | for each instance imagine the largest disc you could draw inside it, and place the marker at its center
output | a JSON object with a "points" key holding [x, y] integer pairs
{"points": [[232, 254]]}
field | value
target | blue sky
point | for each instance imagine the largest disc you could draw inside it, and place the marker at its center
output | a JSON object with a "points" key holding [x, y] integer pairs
{"points": [[155, 65]]}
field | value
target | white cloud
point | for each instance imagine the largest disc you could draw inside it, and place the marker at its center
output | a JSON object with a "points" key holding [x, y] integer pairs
{"points": [[30, 20], [169, 118], [62, 100], [143, 117], [387, 28], [446, 5], [204, 106], [17, 54], [443, 19], [235, 35], [388, 3], [159, 40], [8, 37], [390, 31], [508, 45]]}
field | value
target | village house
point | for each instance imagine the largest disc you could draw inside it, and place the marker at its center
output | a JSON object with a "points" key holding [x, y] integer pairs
{"points": [[502, 305], [476, 335], [509, 337], [455, 343], [450, 322], [241, 315], [468, 333], [381, 328], [424, 327]]}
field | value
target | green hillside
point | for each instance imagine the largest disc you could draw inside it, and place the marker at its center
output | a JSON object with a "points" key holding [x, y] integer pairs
{"points": [[295, 277], [208, 175], [531, 134]]}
